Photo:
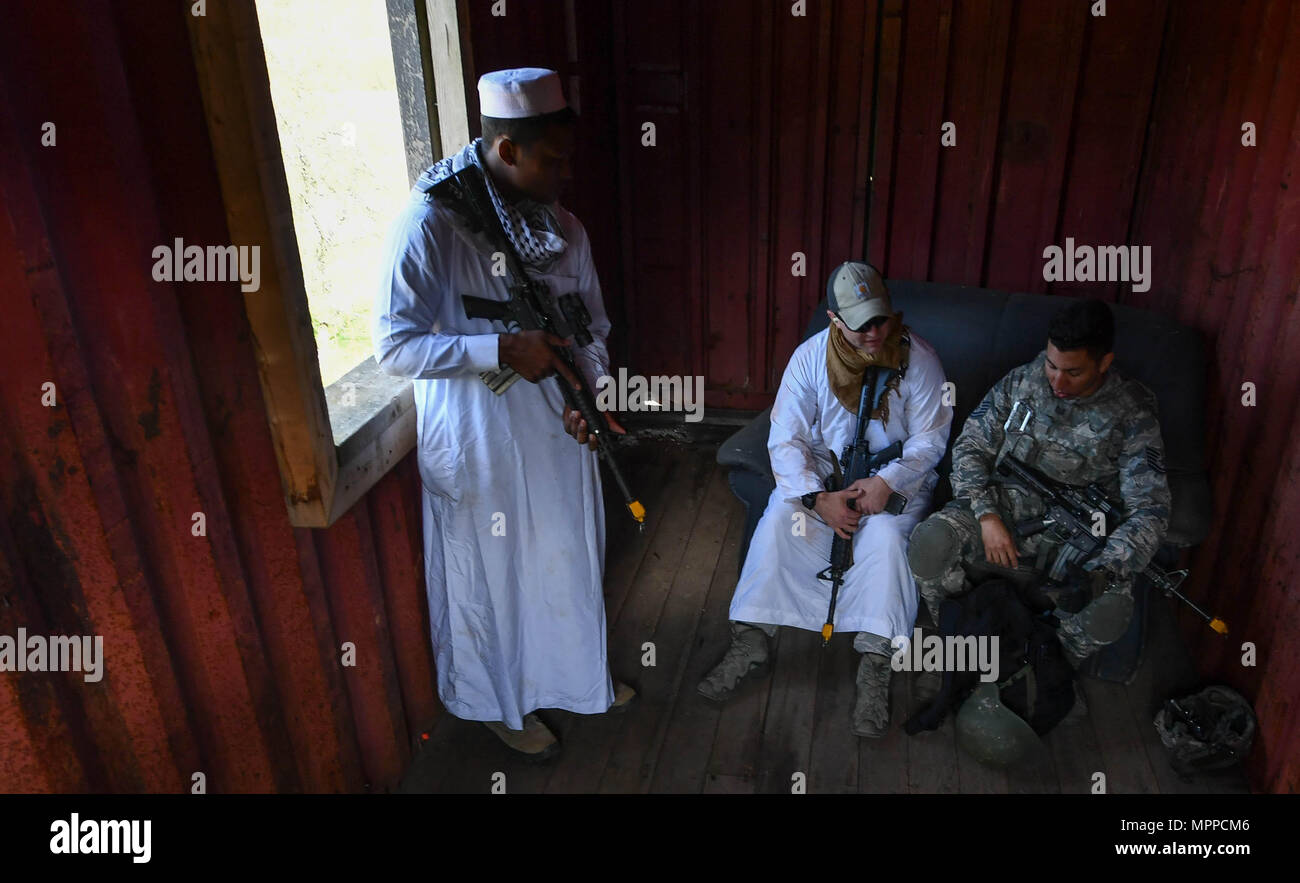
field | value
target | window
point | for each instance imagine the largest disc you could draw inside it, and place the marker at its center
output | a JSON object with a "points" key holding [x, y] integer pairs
{"points": [[330, 64], [338, 424]]}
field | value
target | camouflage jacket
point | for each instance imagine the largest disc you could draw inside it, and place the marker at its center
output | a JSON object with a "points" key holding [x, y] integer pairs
{"points": [[1111, 437]]}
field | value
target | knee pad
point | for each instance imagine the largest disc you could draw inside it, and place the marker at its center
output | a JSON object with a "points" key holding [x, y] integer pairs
{"points": [[933, 549], [1107, 618]]}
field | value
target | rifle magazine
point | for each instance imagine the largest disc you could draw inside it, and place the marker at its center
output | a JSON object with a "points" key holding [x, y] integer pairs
{"points": [[501, 380]]}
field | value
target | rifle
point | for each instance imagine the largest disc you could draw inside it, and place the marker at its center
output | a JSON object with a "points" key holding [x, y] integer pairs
{"points": [[859, 463], [1070, 517], [531, 307]]}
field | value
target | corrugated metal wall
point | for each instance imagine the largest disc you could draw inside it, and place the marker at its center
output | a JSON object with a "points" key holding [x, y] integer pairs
{"points": [[222, 651]]}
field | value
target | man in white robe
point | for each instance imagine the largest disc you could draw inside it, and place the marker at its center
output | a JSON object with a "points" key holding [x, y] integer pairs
{"points": [[514, 529], [791, 543]]}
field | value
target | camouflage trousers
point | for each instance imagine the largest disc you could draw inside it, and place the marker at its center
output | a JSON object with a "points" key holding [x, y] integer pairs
{"points": [[951, 537]]}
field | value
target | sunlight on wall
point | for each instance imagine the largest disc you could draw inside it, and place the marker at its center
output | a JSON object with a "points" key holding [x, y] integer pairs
{"points": [[330, 64]]}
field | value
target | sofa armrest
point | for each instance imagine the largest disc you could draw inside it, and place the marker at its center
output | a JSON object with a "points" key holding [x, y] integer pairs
{"points": [[1191, 509], [747, 448]]}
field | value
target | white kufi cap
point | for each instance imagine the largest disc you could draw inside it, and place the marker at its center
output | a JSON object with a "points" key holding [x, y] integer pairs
{"points": [[520, 92]]}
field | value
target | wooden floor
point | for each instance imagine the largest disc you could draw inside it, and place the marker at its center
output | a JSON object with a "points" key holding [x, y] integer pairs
{"points": [[672, 585]]}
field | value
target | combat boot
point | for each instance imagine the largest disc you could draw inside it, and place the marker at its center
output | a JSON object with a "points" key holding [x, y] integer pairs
{"points": [[747, 655], [535, 741], [871, 708], [624, 696]]}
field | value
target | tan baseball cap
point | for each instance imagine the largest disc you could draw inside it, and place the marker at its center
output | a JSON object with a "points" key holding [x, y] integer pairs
{"points": [[858, 294]]}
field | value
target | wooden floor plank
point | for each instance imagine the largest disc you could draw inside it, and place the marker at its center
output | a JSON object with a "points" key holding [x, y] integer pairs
{"points": [[1035, 774], [642, 602], [673, 585], [1128, 770], [637, 616], [729, 785], [632, 762], [1165, 671], [431, 760], [625, 545], [788, 726], [738, 737], [882, 763], [932, 758], [586, 739], [833, 767], [694, 721], [1075, 754], [475, 754]]}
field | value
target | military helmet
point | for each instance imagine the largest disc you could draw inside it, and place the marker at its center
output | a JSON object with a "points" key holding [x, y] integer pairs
{"points": [[991, 732]]}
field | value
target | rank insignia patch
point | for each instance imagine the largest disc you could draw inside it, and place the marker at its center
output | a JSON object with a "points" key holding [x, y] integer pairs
{"points": [[1156, 459]]}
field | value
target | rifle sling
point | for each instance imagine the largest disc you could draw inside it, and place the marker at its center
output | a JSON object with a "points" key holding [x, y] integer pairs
{"points": [[877, 378]]}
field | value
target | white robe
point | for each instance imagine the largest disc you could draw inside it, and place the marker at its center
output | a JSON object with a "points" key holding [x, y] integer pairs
{"points": [[517, 621], [778, 583]]}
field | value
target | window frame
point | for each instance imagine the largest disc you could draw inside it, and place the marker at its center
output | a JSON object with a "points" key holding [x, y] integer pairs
{"points": [[334, 444]]}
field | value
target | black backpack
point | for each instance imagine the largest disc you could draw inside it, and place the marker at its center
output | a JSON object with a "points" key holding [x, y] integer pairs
{"points": [[1035, 679]]}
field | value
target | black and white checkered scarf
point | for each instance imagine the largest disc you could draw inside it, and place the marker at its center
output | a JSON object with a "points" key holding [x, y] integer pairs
{"points": [[532, 227]]}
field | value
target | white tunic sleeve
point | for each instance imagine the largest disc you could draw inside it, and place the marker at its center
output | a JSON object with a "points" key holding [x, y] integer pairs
{"points": [[794, 463], [408, 336], [926, 422]]}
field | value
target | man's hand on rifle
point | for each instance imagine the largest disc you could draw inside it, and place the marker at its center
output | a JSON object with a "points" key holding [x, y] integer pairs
{"points": [[875, 494], [532, 355], [999, 548], [833, 508], [575, 426]]}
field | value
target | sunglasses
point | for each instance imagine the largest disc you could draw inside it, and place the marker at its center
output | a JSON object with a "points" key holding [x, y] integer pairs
{"points": [[869, 325]]}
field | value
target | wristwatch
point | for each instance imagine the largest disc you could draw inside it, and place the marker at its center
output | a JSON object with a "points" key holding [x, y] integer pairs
{"points": [[809, 499]]}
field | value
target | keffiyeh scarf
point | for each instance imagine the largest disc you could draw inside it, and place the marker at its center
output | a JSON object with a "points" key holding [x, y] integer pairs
{"points": [[532, 227], [846, 365]]}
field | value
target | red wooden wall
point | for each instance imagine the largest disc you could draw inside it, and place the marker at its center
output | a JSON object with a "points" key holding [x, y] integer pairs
{"points": [[1128, 129], [693, 237], [224, 650], [1224, 224]]}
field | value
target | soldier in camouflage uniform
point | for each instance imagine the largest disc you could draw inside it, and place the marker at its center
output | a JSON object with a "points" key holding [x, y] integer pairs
{"points": [[1072, 416]]}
